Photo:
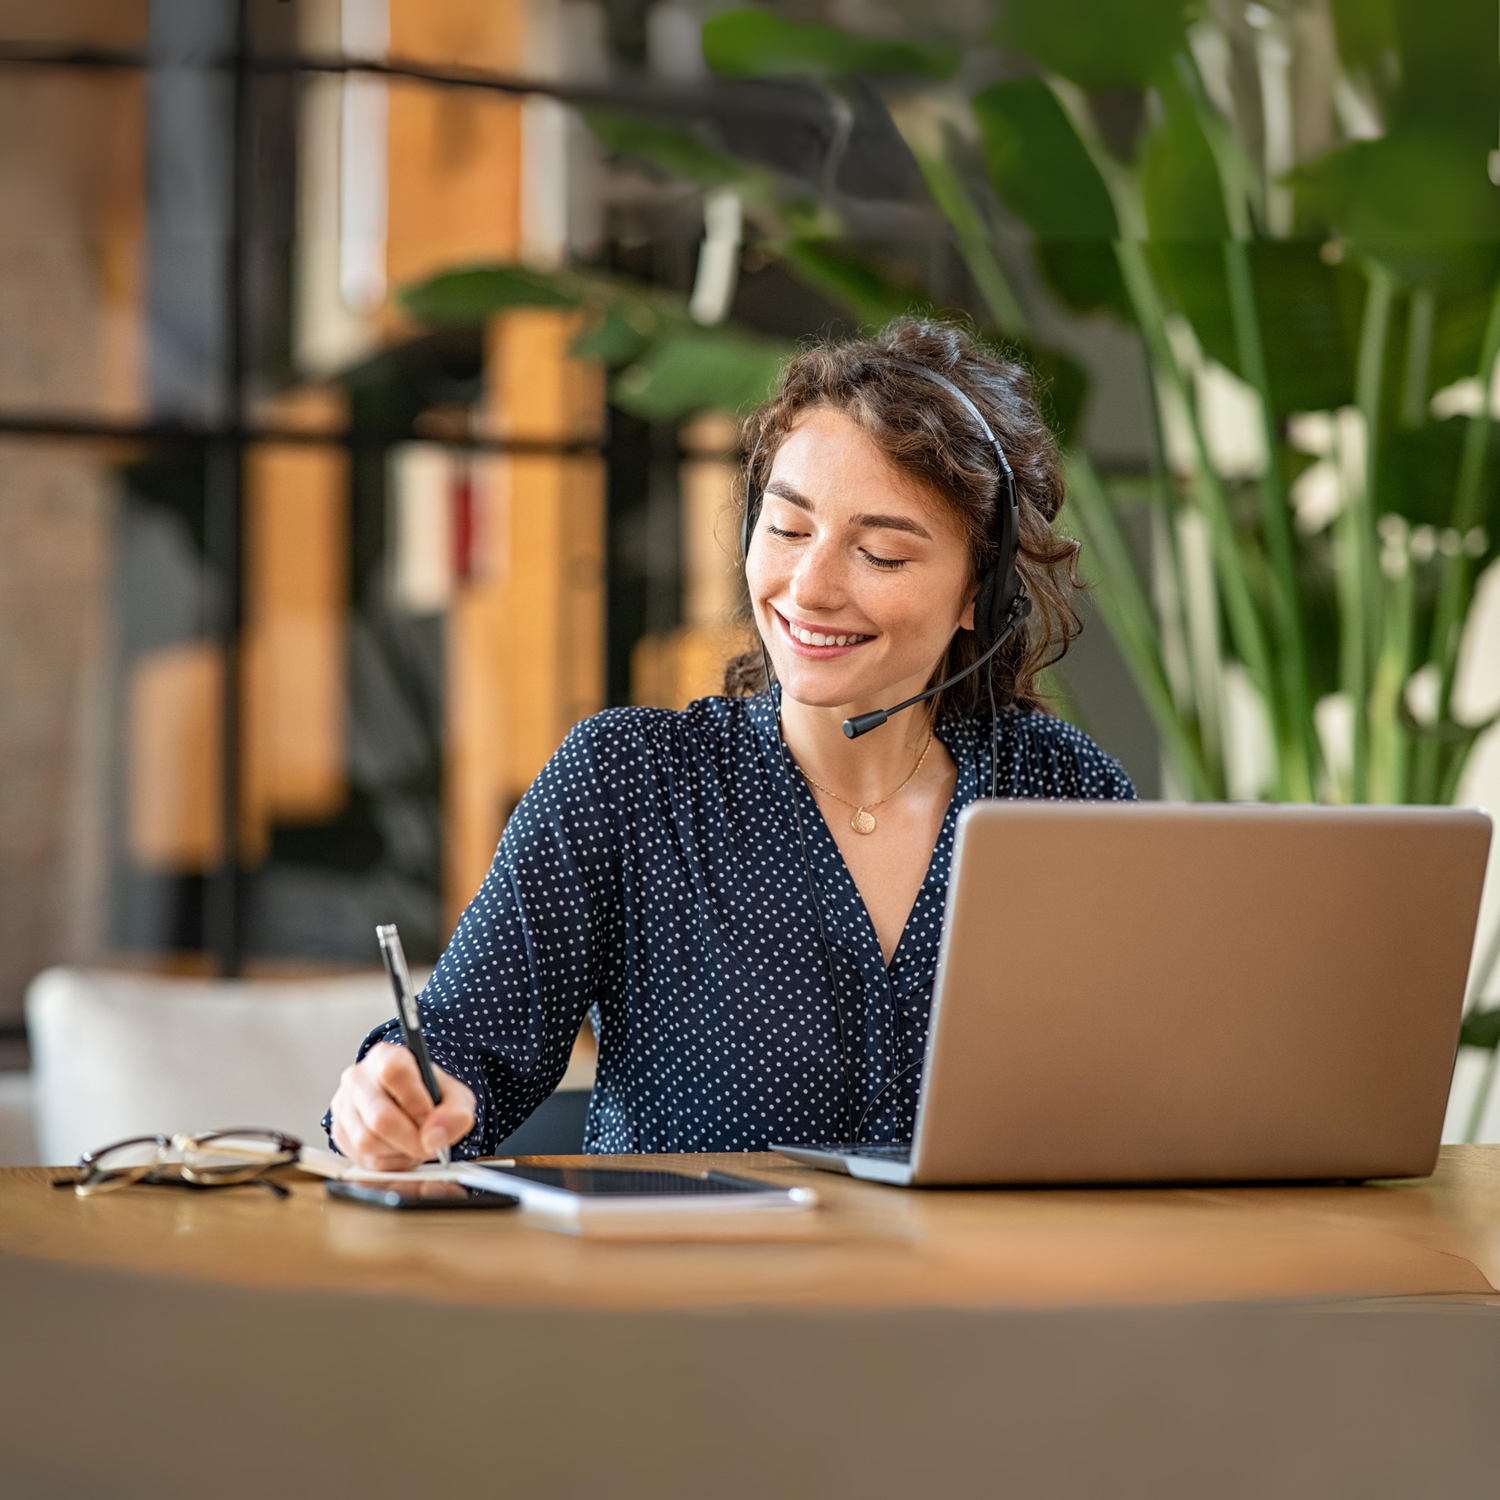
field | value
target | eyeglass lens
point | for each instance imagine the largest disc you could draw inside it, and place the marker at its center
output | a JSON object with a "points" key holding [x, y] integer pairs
{"points": [[234, 1155], [114, 1166]]}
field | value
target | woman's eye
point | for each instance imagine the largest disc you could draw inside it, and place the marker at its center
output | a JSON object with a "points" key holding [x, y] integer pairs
{"points": [[777, 531], [889, 563]]}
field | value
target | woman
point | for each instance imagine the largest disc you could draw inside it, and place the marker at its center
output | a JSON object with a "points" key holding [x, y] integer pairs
{"points": [[749, 911]]}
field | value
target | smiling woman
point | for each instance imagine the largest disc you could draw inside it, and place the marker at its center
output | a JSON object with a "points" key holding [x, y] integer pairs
{"points": [[757, 962]]}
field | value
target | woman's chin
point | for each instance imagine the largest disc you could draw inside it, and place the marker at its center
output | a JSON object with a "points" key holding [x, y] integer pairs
{"points": [[823, 690], [812, 689]]}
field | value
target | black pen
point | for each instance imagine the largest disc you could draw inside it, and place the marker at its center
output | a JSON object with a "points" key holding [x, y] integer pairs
{"points": [[406, 1013]]}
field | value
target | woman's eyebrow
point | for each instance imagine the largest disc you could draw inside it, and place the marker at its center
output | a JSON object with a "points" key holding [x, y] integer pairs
{"points": [[893, 523], [784, 491]]}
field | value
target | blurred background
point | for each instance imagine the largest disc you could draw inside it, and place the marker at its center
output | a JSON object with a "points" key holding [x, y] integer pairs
{"points": [[369, 383]]}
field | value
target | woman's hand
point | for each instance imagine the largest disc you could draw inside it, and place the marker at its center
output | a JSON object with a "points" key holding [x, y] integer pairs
{"points": [[383, 1118]]}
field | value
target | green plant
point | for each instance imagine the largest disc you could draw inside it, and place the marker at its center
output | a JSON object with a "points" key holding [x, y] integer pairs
{"points": [[1314, 276]]}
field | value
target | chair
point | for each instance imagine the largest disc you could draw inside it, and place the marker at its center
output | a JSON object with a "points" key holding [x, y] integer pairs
{"points": [[117, 1054]]}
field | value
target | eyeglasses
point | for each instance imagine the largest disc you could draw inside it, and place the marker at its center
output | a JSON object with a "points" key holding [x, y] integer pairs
{"points": [[211, 1158]]}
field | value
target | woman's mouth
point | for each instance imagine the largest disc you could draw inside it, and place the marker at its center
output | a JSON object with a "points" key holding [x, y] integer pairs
{"points": [[819, 642]]}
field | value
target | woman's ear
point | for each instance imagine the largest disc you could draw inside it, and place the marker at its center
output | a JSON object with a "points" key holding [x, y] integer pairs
{"points": [[966, 619]]}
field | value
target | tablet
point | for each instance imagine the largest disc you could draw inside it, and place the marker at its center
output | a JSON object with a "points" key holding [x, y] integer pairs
{"points": [[633, 1189]]}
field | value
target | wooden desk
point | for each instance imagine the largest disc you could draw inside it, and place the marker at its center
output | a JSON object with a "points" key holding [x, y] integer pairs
{"points": [[1213, 1341]]}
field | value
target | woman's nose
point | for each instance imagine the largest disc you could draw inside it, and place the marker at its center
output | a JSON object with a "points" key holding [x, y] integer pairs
{"points": [[818, 582]]}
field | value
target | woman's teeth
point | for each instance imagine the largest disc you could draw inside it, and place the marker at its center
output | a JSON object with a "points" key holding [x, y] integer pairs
{"points": [[817, 638]]}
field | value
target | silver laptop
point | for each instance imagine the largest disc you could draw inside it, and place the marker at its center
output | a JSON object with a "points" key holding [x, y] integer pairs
{"points": [[1150, 992]]}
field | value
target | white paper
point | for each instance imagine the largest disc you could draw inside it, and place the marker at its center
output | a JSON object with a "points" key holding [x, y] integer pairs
{"points": [[320, 1162]]}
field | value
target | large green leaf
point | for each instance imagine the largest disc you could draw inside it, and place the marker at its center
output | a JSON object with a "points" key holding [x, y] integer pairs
{"points": [[1367, 37], [1401, 197], [700, 369], [1309, 315], [1180, 183], [1041, 170], [870, 293], [623, 333], [1412, 197], [1462, 311], [1043, 173], [1085, 275], [676, 151], [757, 44], [478, 292], [1450, 59], [1481, 1028], [1118, 44], [1418, 474]]}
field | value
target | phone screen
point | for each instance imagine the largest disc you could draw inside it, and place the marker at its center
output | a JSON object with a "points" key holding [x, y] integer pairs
{"points": [[420, 1194]]}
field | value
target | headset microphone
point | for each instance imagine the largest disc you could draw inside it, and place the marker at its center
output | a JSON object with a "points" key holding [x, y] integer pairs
{"points": [[864, 723]]}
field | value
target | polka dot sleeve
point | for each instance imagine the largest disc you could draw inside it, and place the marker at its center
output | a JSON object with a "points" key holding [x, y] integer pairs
{"points": [[526, 962]]}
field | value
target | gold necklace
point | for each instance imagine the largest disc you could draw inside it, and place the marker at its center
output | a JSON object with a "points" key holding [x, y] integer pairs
{"points": [[863, 820]]}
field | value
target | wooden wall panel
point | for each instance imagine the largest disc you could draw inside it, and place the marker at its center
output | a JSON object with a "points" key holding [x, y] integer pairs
{"points": [[455, 155], [526, 636], [474, 794], [295, 657], [670, 669], [176, 730], [294, 672]]}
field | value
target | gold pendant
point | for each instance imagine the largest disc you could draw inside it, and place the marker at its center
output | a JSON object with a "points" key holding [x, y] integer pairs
{"points": [[862, 822]]}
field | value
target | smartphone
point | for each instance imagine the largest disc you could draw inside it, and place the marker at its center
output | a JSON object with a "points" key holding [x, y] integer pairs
{"points": [[419, 1194]]}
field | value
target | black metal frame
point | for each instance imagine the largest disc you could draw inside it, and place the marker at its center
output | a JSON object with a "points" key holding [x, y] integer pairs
{"points": [[224, 442]]}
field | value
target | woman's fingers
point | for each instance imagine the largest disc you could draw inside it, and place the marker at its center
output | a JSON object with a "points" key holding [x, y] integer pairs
{"points": [[389, 1127], [356, 1142], [451, 1120], [439, 1124], [384, 1118], [396, 1071]]}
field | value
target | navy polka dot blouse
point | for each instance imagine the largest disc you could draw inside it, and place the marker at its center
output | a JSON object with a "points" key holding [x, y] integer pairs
{"points": [[651, 880]]}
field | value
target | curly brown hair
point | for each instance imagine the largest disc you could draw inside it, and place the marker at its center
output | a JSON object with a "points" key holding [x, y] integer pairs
{"points": [[924, 431]]}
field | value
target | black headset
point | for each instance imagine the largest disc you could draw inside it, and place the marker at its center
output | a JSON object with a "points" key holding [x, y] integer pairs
{"points": [[999, 607]]}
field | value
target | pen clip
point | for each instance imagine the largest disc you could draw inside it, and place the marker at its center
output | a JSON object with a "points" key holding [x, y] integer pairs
{"points": [[395, 965]]}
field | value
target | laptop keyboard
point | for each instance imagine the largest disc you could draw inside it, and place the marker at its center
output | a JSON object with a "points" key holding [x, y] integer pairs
{"points": [[881, 1153]]}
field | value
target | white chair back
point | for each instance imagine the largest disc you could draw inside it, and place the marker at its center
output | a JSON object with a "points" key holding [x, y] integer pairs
{"points": [[118, 1054]]}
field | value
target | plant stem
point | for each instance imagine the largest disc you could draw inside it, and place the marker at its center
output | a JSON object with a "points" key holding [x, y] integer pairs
{"points": [[951, 196], [1199, 599], [1390, 742], [1456, 584], [1483, 969], [1198, 699], [1472, 1001], [1481, 1098], [1300, 749], [1122, 602], [1359, 592], [1244, 623], [1419, 324], [1123, 185]]}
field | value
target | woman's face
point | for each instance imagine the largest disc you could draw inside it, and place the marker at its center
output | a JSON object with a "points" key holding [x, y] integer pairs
{"points": [[858, 573]]}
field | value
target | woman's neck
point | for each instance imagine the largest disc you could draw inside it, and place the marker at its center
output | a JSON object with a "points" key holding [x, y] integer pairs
{"points": [[862, 770]]}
